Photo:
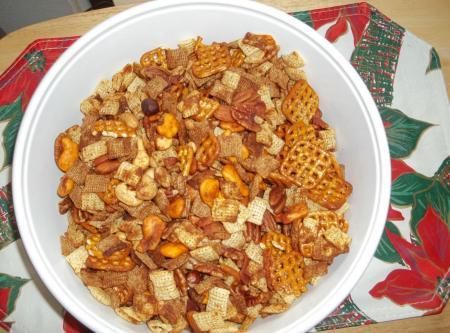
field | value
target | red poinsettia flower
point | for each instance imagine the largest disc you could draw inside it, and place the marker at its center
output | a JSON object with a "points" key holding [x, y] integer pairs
{"points": [[357, 16], [428, 265], [72, 325], [394, 215]]}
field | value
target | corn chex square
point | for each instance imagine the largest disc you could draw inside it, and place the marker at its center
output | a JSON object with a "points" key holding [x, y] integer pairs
{"points": [[233, 227], [257, 209], [218, 300], [254, 252], [94, 150], [225, 210], [135, 84], [187, 238], [337, 237], [328, 139], [204, 254], [244, 214], [231, 79], [164, 285], [77, 259], [236, 240], [276, 146], [129, 173], [208, 320], [109, 107], [91, 201]]}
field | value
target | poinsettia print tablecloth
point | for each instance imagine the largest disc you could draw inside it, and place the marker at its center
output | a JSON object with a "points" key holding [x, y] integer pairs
{"points": [[409, 275]]}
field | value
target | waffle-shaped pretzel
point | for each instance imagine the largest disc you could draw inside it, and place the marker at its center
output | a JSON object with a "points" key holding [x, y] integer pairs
{"points": [[208, 151], [211, 59], [300, 132], [306, 164], [332, 190], [286, 272], [118, 261], [206, 107], [156, 57], [277, 242], [301, 103]]}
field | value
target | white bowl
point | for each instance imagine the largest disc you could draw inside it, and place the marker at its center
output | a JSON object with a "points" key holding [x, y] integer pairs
{"points": [[344, 99]]}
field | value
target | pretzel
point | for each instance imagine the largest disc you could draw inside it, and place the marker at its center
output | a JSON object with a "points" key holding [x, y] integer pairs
{"points": [[286, 272], [211, 59], [237, 57], [332, 190], [300, 132], [206, 107], [208, 151], [305, 164], [186, 156], [301, 103], [276, 242], [155, 57]]}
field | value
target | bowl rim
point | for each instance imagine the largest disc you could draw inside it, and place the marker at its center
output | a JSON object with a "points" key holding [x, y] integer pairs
{"points": [[19, 177]]}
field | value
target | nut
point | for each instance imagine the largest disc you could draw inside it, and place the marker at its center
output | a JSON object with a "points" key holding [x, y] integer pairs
{"points": [[292, 213], [66, 152], [66, 186], [163, 143], [209, 190], [176, 207], [169, 127], [142, 159], [230, 174], [107, 167], [231, 126], [172, 250], [277, 199], [149, 107], [152, 230], [147, 187], [193, 277], [127, 196]]}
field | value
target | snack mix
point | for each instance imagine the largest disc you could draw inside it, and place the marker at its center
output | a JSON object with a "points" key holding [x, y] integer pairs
{"points": [[201, 188]]}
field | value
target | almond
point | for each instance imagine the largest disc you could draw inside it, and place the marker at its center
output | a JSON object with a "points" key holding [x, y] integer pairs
{"points": [[107, 167]]}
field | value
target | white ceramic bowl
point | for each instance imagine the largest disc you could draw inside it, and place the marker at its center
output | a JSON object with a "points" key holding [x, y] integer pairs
{"points": [[344, 99]]}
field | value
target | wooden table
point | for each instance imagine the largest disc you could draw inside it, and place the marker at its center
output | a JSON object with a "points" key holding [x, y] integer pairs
{"points": [[428, 19]]}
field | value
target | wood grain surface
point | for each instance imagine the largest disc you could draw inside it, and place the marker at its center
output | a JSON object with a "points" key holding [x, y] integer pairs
{"points": [[427, 19]]}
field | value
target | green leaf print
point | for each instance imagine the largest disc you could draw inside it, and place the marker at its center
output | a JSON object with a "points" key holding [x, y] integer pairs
{"points": [[385, 250], [9, 287], [13, 114], [402, 131], [437, 195], [305, 17], [405, 186], [435, 62]]}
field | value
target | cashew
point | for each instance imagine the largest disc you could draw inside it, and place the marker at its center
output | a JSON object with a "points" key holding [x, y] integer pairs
{"points": [[142, 159], [163, 143], [127, 196], [147, 188]]}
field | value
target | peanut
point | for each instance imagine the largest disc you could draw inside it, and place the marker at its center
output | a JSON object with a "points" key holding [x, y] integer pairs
{"points": [[172, 250], [209, 190], [169, 127], [176, 207], [69, 153], [152, 230], [65, 187], [107, 167], [230, 174]]}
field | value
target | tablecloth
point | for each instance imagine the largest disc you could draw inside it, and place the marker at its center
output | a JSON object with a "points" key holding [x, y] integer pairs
{"points": [[409, 274]]}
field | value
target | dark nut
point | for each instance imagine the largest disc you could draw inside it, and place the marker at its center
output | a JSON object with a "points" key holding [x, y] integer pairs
{"points": [[193, 277], [149, 107]]}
